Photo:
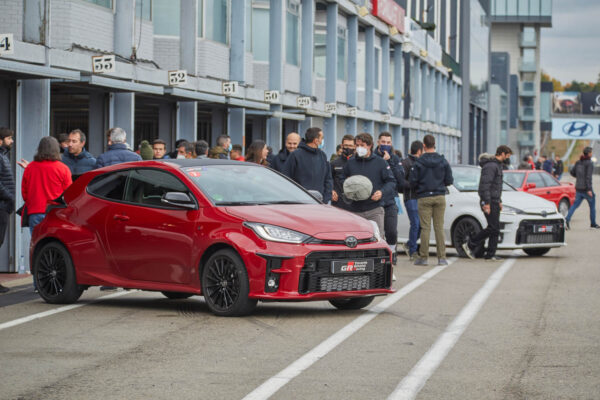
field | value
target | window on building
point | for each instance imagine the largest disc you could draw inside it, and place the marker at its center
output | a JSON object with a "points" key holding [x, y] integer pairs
{"points": [[546, 8], [377, 82], [215, 22], [143, 9], [320, 52], [511, 7], [534, 8], [529, 56], [341, 54], [292, 37], [529, 34], [102, 3], [166, 15], [260, 30], [527, 125]]}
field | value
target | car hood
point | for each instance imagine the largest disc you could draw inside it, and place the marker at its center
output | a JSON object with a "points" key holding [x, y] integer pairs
{"points": [[317, 220], [529, 203]]}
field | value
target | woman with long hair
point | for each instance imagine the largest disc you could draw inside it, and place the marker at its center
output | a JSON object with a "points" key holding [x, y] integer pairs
{"points": [[44, 179], [257, 153]]}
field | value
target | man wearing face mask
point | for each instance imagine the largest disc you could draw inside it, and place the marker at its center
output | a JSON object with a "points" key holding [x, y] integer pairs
{"points": [[337, 169], [376, 169], [308, 165], [385, 150], [222, 149]]}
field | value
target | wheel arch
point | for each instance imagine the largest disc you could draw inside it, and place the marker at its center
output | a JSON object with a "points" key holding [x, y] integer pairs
{"points": [[212, 249], [41, 243], [457, 220]]}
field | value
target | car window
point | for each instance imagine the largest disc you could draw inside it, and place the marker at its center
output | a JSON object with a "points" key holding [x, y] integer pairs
{"points": [[466, 179], [536, 177], [514, 179], [549, 180], [110, 186], [146, 186], [246, 184]]}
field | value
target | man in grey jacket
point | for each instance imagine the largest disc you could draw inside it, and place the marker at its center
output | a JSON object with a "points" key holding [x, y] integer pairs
{"points": [[582, 171]]}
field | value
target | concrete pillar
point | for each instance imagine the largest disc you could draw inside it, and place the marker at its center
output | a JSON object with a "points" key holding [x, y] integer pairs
{"points": [[330, 124], [276, 63], [385, 74], [352, 91], [369, 67], [236, 124], [187, 113], [397, 84], [35, 15], [124, 115], [96, 137], [124, 27], [397, 139], [217, 120], [166, 111], [307, 52]]}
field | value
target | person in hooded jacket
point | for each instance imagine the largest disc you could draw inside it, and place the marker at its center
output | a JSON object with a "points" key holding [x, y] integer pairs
{"points": [[308, 165], [292, 140], [376, 169], [410, 200], [337, 172], [490, 195], [582, 171], [385, 150], [429, 176], [118, 151]]}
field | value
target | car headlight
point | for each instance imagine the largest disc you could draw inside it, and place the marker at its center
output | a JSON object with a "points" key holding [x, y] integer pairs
{"points": [[276, 233], [376, 232], [511, 210]]}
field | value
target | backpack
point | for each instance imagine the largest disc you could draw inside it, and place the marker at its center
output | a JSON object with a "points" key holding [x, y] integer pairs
{"points": [[573, 170]]}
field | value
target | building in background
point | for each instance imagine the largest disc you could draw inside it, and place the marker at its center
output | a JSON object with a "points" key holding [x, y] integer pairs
{"points": [[516, 27], [254, 69]]}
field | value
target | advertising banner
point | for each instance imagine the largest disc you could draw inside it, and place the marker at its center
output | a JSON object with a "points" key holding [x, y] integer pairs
{"points": [[566, 103], [390, 12], [590, 103], [576, 128]]}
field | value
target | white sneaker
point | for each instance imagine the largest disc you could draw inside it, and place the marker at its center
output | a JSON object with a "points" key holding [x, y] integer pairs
{"points": [[393, 277]]}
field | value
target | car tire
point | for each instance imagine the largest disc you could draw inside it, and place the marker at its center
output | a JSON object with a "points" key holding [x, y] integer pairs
{"points": [[563, 207], [537, 251], [354, 303], [225, 285], [464, 229], [54, 275], [177, 295]]}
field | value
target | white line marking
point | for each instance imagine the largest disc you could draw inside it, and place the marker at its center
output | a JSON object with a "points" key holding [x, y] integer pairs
{"points": [[273, 384], [32, 317], [410, 386]]}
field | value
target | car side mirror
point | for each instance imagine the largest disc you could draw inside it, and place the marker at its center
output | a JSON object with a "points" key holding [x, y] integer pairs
{"points": [[316, 194], [531, 186], [178, 199]]}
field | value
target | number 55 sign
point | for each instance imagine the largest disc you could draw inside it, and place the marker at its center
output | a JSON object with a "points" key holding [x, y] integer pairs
{"points": [[103, 64]]}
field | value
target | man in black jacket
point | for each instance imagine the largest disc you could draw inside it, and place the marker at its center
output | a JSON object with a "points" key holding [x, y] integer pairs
{"points": [[377, 170], [308, 165], [7, 185], [292, 140], [385, 150], [430, 175], [337, 172], [410, 200], [558, 167], [490, 194], [582, 171]]}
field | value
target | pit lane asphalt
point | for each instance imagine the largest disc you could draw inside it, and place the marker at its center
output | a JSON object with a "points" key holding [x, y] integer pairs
{"points": [[536, 336]]}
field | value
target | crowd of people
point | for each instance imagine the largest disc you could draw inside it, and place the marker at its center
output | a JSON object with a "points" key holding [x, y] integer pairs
{"points": [[554, 168], [364, 177]]}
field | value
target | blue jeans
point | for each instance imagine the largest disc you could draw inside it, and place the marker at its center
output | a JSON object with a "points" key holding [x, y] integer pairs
{"points": [[35, 219], [415, 226], [579, 196]]}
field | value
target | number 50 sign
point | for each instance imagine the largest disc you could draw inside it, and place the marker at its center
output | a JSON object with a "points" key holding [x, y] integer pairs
{"points": [[103, 64]]}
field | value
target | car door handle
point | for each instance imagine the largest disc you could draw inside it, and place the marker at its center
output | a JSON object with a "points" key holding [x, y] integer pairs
{"points": [[548, 192], [121, 217]]}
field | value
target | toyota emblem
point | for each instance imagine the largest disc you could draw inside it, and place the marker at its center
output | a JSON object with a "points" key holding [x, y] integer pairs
{"points": [[351, 242]]}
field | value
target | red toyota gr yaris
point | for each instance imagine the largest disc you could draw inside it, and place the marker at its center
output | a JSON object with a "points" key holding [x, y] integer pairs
{"points": [[233, 232]]}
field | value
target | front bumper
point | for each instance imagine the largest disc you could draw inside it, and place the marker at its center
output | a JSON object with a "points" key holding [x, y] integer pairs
{"points": [[526, 231]]}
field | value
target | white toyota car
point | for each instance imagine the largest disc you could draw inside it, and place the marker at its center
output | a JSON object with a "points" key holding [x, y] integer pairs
{"points": [[527, 222]]}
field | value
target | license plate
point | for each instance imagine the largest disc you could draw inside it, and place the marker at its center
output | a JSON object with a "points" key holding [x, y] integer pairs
{"points": [[543, 228], [352, 266]]}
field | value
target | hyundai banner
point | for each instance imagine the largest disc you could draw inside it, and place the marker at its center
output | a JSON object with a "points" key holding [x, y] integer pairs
{"points": [[576, 128]]}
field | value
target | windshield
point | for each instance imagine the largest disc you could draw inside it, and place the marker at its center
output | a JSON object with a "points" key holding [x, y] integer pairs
{"points": [[514, 179], [246, 184], [467, 179]]}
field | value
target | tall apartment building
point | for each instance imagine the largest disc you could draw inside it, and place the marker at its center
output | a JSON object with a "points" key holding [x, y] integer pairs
{"points": [[348, 66], [516, 27]]}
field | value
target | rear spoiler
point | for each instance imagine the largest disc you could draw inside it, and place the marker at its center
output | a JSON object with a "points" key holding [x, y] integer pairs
{"points": [[59, 202]]}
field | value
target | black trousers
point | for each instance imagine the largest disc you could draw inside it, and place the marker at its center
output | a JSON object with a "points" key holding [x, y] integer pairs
{"points": [[390, 224], [3, 225], [491, 232]]}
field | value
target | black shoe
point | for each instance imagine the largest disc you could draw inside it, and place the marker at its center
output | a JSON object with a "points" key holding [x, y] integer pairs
{"points": [[595, 226], [3, 289], [567, 225], [104, 288]]}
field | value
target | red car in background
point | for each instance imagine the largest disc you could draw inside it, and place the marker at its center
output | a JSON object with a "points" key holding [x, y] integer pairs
{"points": [[233, 232], [541, 183]]}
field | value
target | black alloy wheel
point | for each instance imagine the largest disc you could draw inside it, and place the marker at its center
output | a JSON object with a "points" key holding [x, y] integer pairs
{"points": [[536, 251], [54, 275], [225, 285], [177, 295], [465, 229], [354, 303]]}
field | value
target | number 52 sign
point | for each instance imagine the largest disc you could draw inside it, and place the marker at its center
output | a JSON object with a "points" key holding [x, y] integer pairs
{"points": [[103, 64]]}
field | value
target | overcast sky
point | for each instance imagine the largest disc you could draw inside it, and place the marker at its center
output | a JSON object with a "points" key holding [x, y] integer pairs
{"points": [[570, 50]]}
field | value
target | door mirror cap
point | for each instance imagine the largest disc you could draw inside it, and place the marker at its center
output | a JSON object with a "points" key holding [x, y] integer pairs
{"points": [[531, 186], [178, 199]]}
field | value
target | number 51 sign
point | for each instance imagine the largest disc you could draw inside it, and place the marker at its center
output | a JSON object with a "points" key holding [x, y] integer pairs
{"points": [[103, 64]]}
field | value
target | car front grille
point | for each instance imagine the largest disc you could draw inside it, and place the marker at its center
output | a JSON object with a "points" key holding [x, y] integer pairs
{"points": [[527, 235], [316, 274]]}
